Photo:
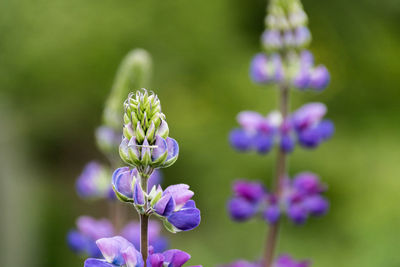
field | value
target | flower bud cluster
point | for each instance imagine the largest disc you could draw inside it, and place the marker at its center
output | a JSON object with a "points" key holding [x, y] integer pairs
{"points": [[145, 143], [305, 127], [117, 251], [300, 72], [83, 240], [286, 25], [284, 59], [282, 261], [300, 199], [172, 205]]}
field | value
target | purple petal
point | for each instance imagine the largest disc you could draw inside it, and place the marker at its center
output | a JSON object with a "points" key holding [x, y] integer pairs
{"points": [[97, 263], [155, 178], [298, 213], [138, 193], [263, 143], [326, 129], [173, 148], [185, 219], [308, 183], [76, 241], [320, 78], [251, 191], [240, 140], [132, 257], [287, 143], [272, 214], [241, 209], [155, 260], [310, 138], [308, 115], [89, 183], [165, 206], [250, 120], [176, 257], [316, 205], [122, 181], [161, 148], [302, 36], [180, 193], [112, 247], [258, 69]]}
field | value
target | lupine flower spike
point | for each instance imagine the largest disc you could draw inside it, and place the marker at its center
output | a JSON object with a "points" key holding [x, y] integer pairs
{"points": [[286, 63]]}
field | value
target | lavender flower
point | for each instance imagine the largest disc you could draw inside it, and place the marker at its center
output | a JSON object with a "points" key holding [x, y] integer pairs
{"points": [[118, 251], [304, 127], [82, 240], [300, 198], [266, 69], [93, 182], [173, 205]]}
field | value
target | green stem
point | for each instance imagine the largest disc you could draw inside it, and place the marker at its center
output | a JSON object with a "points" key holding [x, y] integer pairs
{"points": [[281, 165]]}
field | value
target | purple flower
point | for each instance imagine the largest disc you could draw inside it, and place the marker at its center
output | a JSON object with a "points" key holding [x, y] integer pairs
{"points": [[89, 230], [308, 183], [304, 126], [241, 210], [300, 199], [177, 208], [258, 69], [123, 183], [117, 251], [320, 78], [250, 191], [170, 258], [308, 76], [93, 182], [302, 36], [247, 199], [241, 140]]}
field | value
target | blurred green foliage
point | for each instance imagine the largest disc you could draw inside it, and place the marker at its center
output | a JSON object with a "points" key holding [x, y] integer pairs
{"points": [[57, 63]]}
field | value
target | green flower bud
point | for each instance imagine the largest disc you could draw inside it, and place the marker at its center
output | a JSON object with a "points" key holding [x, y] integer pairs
{"points": [[147, 144]]}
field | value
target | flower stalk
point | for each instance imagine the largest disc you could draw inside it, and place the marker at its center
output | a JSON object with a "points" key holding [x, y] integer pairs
{"points": [[281, 166], [144, 223]]}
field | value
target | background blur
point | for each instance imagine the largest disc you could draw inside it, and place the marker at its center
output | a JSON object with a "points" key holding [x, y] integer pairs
{"points": [[57, 63]]}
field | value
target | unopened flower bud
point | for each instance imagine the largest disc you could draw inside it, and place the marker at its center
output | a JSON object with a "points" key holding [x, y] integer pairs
{"points": [[146, 141]]}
